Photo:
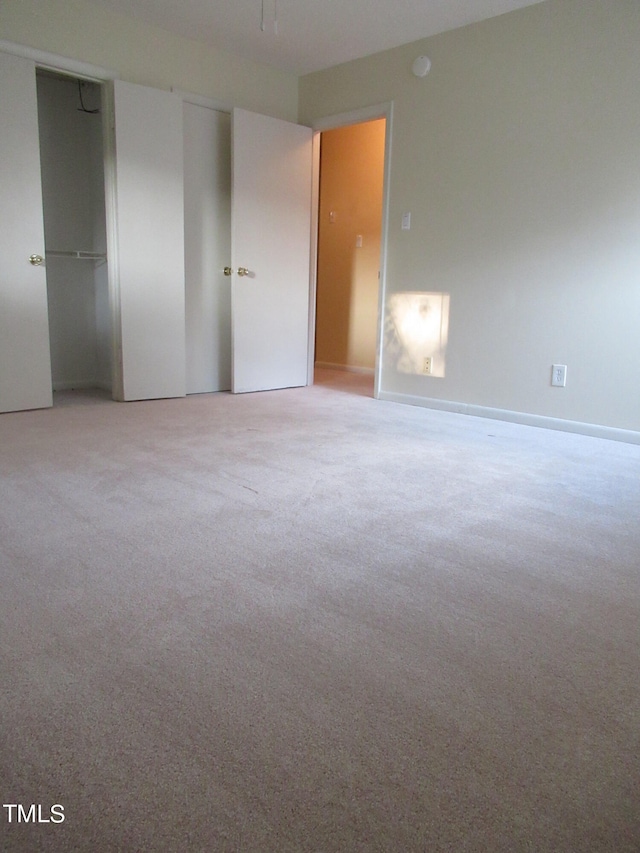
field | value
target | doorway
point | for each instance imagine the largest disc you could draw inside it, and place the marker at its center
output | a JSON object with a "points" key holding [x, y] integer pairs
{"points": [[70, 125], [349, 257]]}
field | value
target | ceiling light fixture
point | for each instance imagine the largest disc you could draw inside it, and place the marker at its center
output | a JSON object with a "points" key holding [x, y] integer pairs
{"points": [[421, 66]]}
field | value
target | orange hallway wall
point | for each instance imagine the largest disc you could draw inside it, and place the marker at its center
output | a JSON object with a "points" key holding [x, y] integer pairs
{"points": [[351, 187]]}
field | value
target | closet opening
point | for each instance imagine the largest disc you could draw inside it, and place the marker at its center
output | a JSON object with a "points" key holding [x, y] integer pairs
{"points": [[70, 122]]}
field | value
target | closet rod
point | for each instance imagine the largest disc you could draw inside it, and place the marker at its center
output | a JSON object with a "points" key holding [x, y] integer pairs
{"points": [[86, 256]]}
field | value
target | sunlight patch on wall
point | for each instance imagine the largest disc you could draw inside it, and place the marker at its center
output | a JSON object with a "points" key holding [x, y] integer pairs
{"points": [[416, 329]]}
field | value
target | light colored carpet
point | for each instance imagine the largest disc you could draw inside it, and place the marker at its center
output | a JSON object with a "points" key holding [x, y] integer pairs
{"points": [[306, 620]]}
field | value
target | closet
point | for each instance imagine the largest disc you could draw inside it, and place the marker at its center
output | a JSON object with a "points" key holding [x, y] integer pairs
{"points": [[70, 125], [97, 298]]}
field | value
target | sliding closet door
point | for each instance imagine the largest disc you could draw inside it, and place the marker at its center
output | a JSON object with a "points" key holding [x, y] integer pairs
{"points": [[150, 241], [25, 368]]}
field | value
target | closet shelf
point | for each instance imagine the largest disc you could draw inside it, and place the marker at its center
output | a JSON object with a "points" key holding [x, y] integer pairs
{"points": [[83, 256]]}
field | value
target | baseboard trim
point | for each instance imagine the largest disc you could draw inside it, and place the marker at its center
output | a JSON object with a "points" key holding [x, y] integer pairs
{"points": [[593, 430], [348, 368]]}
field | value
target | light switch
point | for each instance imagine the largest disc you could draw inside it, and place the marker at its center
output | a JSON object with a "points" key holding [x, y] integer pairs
{"points": [[406, 221], [359, 241], [332, 216]]}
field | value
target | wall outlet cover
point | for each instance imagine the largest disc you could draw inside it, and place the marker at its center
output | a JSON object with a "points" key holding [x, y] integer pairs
{"points": [[559, 375]]}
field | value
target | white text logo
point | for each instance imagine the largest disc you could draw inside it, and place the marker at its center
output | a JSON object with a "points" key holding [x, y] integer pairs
{"points": [[34, 813]]}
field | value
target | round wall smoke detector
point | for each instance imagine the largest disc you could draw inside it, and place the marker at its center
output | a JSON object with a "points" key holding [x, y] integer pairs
{"points": [[421, 66]]}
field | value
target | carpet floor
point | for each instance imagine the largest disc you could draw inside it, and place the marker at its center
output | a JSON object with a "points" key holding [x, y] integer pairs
{"points": [[306, 620]]}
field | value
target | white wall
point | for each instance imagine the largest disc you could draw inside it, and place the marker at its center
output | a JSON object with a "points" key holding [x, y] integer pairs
{"points": [[518, 159], [143, 54]]}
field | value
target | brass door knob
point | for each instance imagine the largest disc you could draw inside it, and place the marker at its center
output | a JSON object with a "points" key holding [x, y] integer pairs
{"points": [[228, 271], [35, 260], [242, 271]]}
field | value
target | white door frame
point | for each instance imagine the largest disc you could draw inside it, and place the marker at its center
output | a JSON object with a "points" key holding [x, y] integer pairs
{"points": [[63, 64], [102, 76], [377, 111]]}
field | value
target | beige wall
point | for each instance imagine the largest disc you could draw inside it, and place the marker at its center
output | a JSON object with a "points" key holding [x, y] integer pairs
{"points": [[147, 55], [518, 159], [351, 183]]}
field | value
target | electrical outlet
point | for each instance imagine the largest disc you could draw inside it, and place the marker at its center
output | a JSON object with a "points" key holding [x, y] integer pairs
{"points": [[426, 365], [559, 375]]}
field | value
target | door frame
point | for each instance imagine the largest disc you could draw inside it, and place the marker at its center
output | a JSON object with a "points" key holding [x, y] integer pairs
{"points": [[102, 76], [331, 122], [62, 64]]}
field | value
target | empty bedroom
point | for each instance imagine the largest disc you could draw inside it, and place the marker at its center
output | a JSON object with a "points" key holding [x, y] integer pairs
{"points": [[298, 556]]}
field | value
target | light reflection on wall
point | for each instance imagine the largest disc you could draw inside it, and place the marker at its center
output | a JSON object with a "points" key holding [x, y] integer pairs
{"points": [[416, 327]]}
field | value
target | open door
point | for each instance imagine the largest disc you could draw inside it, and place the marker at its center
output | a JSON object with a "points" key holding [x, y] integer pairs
{"points": [[271, 243], [25, 361]]}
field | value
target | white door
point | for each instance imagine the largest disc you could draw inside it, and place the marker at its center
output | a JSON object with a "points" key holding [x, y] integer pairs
{"points": [[150, 240], [25, 361], [207, 236], [271, 240]]}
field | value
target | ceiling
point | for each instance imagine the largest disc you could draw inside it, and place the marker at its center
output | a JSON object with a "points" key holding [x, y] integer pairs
{"points": [[311, 34]]}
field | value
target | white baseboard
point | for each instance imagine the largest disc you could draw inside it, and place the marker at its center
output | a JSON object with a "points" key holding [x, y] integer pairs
{"points": [[348, 368], [593, 430]]}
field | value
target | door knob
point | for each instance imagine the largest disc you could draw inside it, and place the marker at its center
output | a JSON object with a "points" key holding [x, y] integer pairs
{"points": [[36, 260], [242, 271], [228, 271]]}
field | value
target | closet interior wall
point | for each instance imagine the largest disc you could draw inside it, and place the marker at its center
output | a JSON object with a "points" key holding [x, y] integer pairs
{"points": [[72, 164]]}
